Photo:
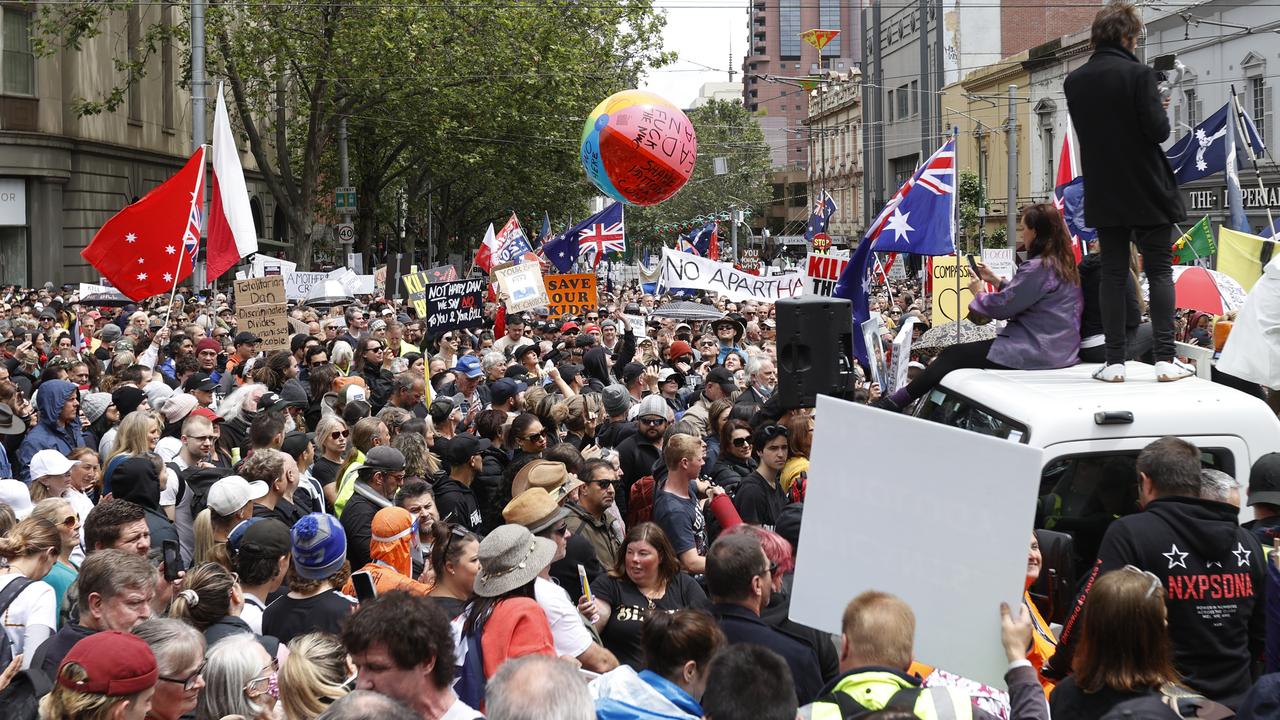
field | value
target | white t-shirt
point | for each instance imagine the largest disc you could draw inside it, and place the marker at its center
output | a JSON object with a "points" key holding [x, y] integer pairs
{"points": [[460, 711], [252, 613], [570, 634], [168, 448], [32, 617]]}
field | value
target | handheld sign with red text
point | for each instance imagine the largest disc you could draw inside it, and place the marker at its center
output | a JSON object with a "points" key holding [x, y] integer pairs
{"points": [[570, 294]]}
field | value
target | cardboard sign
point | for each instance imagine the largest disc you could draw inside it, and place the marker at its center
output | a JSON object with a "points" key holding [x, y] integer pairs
{"points": [[571, 294], [950, 304], [684, 270], [823, 271], [1000, 260], [454, 305], [415, 285], [298, 284], [267, 290], [966, 527], [522, 284], [901, 356]]}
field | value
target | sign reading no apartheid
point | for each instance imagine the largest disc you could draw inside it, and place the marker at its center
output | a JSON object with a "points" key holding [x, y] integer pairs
{"points": [[683, 270], [260, 309], [571, 294], [823, 271], [453, 305]]}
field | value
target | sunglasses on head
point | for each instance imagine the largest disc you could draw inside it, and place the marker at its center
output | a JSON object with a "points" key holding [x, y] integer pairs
{"points": [[773, 431]]}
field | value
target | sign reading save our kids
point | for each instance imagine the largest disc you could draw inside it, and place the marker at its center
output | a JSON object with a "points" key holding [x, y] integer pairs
{"points": [[685, 270]]}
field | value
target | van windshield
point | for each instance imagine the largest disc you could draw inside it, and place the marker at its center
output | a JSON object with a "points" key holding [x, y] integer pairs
{"points": [[948, 408]]}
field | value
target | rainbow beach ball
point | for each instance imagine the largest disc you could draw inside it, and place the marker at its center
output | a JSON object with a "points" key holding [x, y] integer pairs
{"points": [[638, 148]]}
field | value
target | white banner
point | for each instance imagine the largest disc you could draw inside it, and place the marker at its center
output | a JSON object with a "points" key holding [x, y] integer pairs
{"points": [[266, 265], [683, 270], [901, 356], [1000, 260], [966, 552], [298, 284]]}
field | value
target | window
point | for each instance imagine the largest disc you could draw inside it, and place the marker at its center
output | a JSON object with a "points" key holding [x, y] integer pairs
{"points": [[789, 29], [889, 104], [19, 59], [902, 168], [915, 98], [904, 103], [829, 19], [1189, 99], [133, 36], [948, 408], [1258, 105], [169, 87]]}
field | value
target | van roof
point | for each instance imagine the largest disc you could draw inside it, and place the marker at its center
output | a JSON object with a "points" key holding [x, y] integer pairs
{"points": [[1058, 405]]}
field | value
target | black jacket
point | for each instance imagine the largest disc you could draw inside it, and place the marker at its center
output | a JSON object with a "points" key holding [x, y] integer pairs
{"points": [[1213, 573], [49, 655], [730, 470], [1117, 113], [636, 456], [612, 433], [357, 522], [740, 625], [757, 503], [488, 488], [824, 646], [456, 503], [378, 380]]}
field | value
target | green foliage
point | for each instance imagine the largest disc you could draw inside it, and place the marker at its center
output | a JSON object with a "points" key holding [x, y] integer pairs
{"points": [[725, 129]]}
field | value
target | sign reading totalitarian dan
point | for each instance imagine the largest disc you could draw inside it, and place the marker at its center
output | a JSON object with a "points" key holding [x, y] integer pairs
{"points": [[900, 521], [260, 309], [685, 270], [570, 294]]}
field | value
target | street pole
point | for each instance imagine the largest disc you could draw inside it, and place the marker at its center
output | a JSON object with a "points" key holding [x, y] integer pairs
{"points": [[1011, 212], [733, 232], [197, 115], [346, 181], [430, 256]]}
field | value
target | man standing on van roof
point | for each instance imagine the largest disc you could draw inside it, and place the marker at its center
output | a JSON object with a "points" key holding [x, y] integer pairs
{"points": [[1212, 569]]}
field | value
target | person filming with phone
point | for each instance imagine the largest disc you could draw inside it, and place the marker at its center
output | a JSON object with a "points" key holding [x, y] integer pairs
{"points": [[1041, 302]]}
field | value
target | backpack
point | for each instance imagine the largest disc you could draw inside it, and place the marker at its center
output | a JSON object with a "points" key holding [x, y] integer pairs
{"points": [[850, 709], [7, 596], [640, 501], [198, 480]]}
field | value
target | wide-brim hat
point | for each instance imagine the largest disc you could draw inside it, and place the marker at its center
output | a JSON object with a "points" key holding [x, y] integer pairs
{"points": [[11, 424], [511, 557], [535, 509]]}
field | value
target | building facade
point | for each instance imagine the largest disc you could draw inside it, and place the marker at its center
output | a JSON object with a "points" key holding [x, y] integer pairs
{"points": [[835, 152], [727, 91], [62, 175]]}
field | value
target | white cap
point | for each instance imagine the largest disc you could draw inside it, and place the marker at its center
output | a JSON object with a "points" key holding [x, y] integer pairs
{"points": [[232, 493], [15, 494], [50, 462]]}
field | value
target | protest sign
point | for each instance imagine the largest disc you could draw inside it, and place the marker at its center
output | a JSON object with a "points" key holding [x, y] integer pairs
{"points": [[950, 304], [366, 285], [267, 265], [875, 348], [823, 271], [444, 273], [260, 309], [522, 284], [415, 285], [570, 294], [960, 532], [453, 305], [684, 270], [898, 269], [1000, 260], [349, 280], [298, 284], [901, 356]]}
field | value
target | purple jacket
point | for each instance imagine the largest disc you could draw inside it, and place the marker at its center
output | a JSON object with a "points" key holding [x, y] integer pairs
{"points": [[1044, 319]]}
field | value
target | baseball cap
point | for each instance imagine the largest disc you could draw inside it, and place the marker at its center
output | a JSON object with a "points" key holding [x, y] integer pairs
{"points": [[115, 664], [258, 537], [524, 350], [244, 336], [1264, 480], [723, 378], [469, 365], [679, 348], [584, 340], [631, 371], [199, 381], [295, 443], [666, 374], [207, 414], [384, 457], [505, 389], [50, 462], [591, 328], [272, 401], [17, 496], [461, 448], [569, 326], [319, 546], [233, 492]]}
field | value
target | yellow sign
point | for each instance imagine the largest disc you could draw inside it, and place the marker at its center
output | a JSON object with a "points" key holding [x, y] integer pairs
{"points": [[950, 304], [819, 38]]}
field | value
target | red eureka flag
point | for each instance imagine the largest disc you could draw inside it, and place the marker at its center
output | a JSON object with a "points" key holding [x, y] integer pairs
{"points": [[148, 247]]}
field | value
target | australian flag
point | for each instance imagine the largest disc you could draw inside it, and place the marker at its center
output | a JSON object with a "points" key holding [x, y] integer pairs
{"points": [[703, 242], [1203, 151], [919, 218], [823, 209], [599, 234]]}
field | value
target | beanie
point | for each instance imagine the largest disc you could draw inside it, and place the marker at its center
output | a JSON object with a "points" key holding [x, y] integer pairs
{"points": [[617, 400], [94, 405], [127, 399], [654, 405], [209, 344], [319, 546]]}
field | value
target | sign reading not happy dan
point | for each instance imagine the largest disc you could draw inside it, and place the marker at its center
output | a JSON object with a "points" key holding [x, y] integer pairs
{"points": [[571, 294]]}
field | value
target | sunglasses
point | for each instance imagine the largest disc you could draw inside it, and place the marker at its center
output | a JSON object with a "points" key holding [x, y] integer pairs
{"points": [[70, 521], [339, 434], [741, 441], [653, 421], [603, 483], [535, 437], [374, 349], [1155, 581], [319, 363], [773, 431]]}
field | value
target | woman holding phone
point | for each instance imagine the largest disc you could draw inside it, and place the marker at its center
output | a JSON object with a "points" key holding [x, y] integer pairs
{"points": [[1042, 304]]}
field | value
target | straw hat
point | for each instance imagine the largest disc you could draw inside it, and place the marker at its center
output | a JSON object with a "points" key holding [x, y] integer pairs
{"points": [[535, 509], [549, 475], [511, 557]]}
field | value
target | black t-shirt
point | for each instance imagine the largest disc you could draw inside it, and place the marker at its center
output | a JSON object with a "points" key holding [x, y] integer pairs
{"points": [[287, 617], [325, 470], [631, 608], [452, 607]]}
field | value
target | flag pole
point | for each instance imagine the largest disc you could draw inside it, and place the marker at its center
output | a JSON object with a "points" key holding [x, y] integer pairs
{"points": [[1236, 113], [197, 197], [955, 222]]}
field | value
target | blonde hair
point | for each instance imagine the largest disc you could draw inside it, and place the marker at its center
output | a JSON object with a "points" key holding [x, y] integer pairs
{"points": [[64, 704], [205, 597], [312, 677], [208, 548], [51, 509], [880, 629], [132, 437], [31, 536]]}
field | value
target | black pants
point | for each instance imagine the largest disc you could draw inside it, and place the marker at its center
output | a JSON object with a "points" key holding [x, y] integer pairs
{"points": [[1137, 346], [964, 355], [1156, 246]]}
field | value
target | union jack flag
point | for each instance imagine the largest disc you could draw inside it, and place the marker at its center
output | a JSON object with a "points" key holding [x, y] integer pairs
{"points": [[191, 236], [604, 234]]}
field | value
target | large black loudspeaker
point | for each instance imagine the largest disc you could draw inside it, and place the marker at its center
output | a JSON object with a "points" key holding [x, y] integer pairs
{"points": [[815, 350]]}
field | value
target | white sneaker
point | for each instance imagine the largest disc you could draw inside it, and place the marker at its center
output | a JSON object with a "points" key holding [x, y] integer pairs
{"points": [[1175, 370], [1113, 373]]}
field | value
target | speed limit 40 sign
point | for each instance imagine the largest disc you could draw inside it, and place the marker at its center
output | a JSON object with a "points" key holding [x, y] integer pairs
{"points": [[346, 232]]}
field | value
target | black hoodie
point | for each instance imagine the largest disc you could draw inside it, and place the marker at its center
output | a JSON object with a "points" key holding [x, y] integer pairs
{"points": [[1213, 572], [137, 481]]}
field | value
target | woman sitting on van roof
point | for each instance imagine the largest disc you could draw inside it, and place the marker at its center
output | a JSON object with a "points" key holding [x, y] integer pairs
{"points": [[1042, 303]]}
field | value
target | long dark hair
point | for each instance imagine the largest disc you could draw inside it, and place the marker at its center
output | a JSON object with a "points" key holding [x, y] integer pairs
{"points": [[1052, 242], [482, 608]]}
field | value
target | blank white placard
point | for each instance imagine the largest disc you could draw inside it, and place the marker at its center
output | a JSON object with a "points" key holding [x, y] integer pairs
{"points": [[938, 516]]}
